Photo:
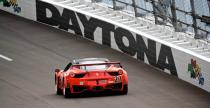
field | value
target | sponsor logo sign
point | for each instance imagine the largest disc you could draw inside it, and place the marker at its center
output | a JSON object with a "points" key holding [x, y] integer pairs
{"points": [[195, 71], [11, 4]]}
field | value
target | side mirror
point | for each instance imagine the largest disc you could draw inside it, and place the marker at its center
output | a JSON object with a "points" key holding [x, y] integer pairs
{"points": [[57, 70]]}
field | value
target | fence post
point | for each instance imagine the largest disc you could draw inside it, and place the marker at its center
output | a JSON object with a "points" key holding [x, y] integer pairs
{"points": [[208, 1], [114, 4], [134, 7], [174, 16], [194, 25], [154, 11]]}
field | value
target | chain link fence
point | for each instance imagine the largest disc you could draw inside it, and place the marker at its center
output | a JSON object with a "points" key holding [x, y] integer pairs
{"points": [[190, 16]]}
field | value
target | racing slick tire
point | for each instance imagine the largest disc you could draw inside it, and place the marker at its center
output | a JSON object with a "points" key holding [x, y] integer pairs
{"points": [[66, 92], [58, 90], [125, 90]]}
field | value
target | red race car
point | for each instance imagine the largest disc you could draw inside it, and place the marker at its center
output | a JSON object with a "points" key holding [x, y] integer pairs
{"points": [[91, 75]]}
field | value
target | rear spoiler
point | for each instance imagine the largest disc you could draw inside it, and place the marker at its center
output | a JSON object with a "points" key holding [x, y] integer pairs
{"points": [[98, 64]]}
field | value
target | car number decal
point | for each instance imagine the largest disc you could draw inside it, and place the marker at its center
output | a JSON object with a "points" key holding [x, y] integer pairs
{"points": [[118, 78]]}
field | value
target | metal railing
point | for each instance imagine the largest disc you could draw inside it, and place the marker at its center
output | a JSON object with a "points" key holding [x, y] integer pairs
{"points": [[168, 12]]}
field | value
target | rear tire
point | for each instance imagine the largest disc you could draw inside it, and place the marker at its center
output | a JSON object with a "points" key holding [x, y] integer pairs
{"points": [[66, 92], [58, 90], [125, 90]]}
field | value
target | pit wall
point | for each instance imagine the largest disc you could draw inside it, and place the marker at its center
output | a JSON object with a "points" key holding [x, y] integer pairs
{"points": [[174, 60]]}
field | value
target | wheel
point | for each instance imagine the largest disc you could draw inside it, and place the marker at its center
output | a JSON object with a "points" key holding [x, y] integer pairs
{"points": [[58, 90], [66, 92], [125, 90]]}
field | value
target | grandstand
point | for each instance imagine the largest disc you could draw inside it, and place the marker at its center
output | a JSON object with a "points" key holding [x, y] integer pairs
{"points": [[155, 26]]}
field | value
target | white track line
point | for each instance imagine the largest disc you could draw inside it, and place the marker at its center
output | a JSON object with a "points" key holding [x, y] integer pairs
{"points": [[5, 57]]}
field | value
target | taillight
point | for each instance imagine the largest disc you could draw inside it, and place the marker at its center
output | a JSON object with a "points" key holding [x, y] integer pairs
{"points": [[120, 72], [113, 73], [79, 75], [72, 74]]}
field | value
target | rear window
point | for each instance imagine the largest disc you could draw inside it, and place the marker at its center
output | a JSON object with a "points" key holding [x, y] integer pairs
{"points": [[93, 67]]}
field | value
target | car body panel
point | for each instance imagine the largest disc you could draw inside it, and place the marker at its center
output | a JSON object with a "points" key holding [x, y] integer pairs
{"points": [[112, 78]]}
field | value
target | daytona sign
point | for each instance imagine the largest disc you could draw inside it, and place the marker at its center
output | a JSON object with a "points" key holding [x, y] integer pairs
{"points": [[86, 26]]}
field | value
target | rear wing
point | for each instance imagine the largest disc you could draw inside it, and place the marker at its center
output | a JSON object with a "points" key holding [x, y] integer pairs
{"points": [[107, 63]]}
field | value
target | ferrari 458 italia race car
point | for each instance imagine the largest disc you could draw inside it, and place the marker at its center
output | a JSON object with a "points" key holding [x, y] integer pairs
{"points": [[91, 75]]}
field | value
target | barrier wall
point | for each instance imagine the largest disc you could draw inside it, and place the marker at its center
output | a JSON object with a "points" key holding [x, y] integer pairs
{"points": [[174, 60]]}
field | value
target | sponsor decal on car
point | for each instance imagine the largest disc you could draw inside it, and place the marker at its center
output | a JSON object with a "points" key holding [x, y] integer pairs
{"points": [[81, 83], [110, 82], [118, 79], [103, 81]]}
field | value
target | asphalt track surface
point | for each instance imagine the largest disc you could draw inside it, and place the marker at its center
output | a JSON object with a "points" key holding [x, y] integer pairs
{"points": [[36, 50]]}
